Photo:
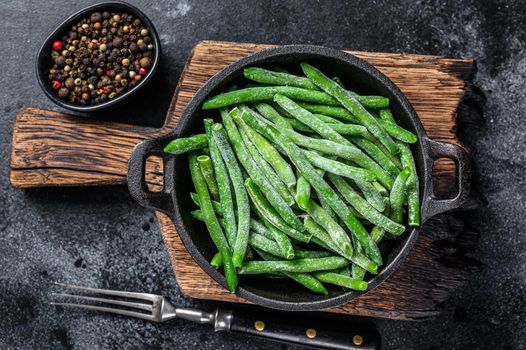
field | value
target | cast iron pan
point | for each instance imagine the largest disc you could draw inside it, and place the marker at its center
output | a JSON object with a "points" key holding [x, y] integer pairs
{"points": [[175, 201]]}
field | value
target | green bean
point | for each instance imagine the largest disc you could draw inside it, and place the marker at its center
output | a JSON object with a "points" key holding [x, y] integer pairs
{"points": [[214, 228], [261, 229], [217, 206], [300, 265], [217, 260], [266, 211], [357, 271], [254, 94], [303, 190], [205, 163], [364, 208], [270, 154], [322, 187], [254, 172], [224, 185], [336, 232], [397, 197], [338, 168], [340, 280], [263, 243], [381, 189], [332, 111], [185, 144], [322, 238], [304, 279], [392, 157], [377, 234], [413, 195], [397, 132], [267, 170], [345, 271], [280, 238], [387, 115], [350, 103], [242, 203], [265, 76], [300, 253], [327, 132], [377, 155]]}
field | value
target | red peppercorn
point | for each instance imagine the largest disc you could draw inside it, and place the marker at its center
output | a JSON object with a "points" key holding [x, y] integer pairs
{"points": [[142, 71], [57, 45], [108, 73], [55, 84]]}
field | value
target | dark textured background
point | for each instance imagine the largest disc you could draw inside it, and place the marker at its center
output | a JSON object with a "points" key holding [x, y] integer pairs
{"points": [[100, 237]]}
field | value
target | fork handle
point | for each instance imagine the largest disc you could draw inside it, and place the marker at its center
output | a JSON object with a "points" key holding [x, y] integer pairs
{"points": [[304, 330]]}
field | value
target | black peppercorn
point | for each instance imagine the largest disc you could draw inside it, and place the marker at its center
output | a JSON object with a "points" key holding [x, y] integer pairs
{"points": [[102, 56], [60, 61], [63, 92]]}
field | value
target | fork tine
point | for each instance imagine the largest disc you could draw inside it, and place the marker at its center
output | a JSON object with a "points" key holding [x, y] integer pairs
{"points": [[140, 306], [143, 296], [107, 309]]}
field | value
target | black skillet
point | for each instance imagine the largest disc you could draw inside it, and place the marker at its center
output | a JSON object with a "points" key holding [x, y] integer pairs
{"points": [[358, 75]]}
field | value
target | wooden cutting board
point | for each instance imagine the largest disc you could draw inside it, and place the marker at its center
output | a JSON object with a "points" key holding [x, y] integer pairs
{"points": [[55, 149]]}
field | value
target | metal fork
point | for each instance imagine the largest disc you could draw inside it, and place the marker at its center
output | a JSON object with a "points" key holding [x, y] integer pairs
{"points": [[306, 331]]}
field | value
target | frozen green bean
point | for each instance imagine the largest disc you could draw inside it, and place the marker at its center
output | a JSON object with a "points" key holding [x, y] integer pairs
{"points": [[212, 223], [185, 144], [301, 265], [350, 103], [205, 163], [242, 203], [254, 171]]}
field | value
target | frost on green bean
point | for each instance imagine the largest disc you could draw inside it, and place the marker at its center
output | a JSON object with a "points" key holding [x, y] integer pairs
{"points": [[254, 94], [242, 203], [226, 200], [261, 242], [413, 191], [363, 207], [267, 170], [350, 102], [270, 154], [254, 171], [185, 144], [304, 279], [212, 223], [266, 211], [398, 195], [336, 232], [303, 191], [339, 168], [205, 163], [324, 130], [340, 280], [300, 265], [317, 182]]}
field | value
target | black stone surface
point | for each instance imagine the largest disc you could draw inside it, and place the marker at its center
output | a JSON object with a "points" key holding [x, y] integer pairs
{"points": [[100, 237]]}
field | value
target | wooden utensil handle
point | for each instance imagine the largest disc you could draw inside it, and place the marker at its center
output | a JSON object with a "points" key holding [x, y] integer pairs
{"points": [[306, 331]]}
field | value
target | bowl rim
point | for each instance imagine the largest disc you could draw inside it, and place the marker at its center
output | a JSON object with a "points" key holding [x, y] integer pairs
{"points": [[194, 106], [40, 72]]}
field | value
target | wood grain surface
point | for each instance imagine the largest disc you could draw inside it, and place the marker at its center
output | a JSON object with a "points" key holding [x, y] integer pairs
{"points": [[54, 149]]}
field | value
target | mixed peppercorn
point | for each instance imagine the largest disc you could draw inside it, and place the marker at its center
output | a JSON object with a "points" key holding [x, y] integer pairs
{"points": [[100, 58]]}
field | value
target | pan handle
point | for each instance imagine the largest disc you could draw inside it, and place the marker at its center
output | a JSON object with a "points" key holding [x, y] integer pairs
{"points": [[162, 200], [460, 156]]}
